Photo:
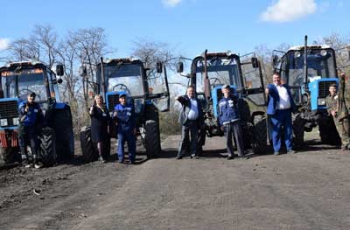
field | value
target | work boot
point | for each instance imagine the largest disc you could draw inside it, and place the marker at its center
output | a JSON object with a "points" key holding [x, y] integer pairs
{"points": [[38, 165], [101, 159], [230, 157]]}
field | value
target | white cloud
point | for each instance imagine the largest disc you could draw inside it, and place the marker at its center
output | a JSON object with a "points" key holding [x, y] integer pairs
{"points": [[171, 3], [288, 10], [4, 43]]}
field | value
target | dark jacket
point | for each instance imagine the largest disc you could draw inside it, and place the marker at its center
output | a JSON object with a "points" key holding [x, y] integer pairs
{"points": [[186, 107], [32, 117], [273, 99], [228, 109], [125, 116]]}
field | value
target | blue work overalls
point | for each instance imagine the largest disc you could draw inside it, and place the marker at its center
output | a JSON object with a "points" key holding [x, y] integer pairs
{"points": [[125, 130]]}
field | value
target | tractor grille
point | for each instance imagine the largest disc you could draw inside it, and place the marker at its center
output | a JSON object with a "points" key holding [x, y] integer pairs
{"points": [[8, 109], [113, 100], [323, 88]]}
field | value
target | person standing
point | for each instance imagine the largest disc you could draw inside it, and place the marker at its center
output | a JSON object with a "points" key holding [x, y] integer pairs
{"points": [[280, 106], [100, 120], [229, 121], [124, 116], [30, 117], [191, 118], [341, 121]]}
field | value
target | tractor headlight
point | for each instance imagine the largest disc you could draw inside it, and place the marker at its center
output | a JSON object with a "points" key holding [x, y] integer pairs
{"points": [[321, 101], [15, 121], [323, 52], [3, 122]]}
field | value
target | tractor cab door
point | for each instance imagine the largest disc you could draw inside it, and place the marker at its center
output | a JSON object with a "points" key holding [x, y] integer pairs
{"points": [[158, 88], [253, 81]]}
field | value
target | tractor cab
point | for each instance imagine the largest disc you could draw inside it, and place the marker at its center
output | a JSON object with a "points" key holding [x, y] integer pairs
{"points": [[309, 72]]}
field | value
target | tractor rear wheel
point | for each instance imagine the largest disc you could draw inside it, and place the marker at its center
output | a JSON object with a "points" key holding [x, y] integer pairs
{"points": [[259, 135], [87, 147], [152, 139], [47, 147], [298, 132], [64, 133]]}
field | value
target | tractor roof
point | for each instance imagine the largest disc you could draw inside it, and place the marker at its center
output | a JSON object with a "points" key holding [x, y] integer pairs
{"points": [[296, 48]]}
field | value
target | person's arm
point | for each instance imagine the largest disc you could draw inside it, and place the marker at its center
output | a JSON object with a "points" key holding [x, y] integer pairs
{"points": [[181, 99], [23, 111]]}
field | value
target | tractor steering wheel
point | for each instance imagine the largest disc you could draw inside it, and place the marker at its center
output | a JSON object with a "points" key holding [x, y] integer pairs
{"points": [[121, 87], [26, 94]]}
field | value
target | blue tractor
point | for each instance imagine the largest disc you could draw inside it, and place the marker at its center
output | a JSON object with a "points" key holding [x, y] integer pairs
{"points": [[56, 139], [209, 72], [309, 71], [146, 88]]}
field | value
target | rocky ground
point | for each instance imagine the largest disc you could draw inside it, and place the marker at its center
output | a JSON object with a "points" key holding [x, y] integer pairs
{"points": [[307, 190]]}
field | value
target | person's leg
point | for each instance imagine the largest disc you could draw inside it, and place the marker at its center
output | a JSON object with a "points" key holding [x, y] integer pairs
{"points": [[32, 141], [23, 148], [276, 129], [100, 150], [121, 140], [130, 138], [194, 140], [238, 134], [288, 129], [228, 135], [344, 133], [184, 143]]}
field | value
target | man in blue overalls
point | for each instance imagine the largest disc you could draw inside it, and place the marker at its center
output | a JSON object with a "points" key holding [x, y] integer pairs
{"points": [[30, 115], [229, 121], [126, 130]]}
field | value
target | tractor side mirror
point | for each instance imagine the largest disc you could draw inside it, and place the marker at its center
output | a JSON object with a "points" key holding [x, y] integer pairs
{"points": [[159, 67], [59, 70], [255, 62], [275, 60], [180, 67], [82, 71]]}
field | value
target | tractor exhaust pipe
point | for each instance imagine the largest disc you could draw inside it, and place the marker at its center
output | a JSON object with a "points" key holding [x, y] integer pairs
{"points": [[305, 65]]}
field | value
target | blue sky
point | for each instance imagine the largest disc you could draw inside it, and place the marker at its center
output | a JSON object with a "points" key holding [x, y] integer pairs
{"points": [[189, 25]]}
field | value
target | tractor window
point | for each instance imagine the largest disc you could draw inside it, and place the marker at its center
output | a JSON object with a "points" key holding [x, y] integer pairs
{"points": [[26, 83], [320, 63], [127, 78], [53, 87], [221, 71]]}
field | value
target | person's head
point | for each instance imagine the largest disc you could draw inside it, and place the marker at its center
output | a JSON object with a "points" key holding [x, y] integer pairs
{"points": [[190, 91], [98, 99], [276, 77], [225, 89], [31, 97], [122, 98], [333, 89]]}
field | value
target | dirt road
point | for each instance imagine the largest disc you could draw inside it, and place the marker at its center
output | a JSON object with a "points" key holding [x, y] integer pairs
{"points": [[307, 190]]}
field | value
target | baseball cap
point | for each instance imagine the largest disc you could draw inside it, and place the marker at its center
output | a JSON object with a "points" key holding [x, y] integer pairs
{"points": [[225, 87], [122, 94]]}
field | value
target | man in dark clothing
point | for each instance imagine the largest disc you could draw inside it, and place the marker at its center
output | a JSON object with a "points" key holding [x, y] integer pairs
{"points": [[125, 120], [30, 116], [280, 107], [229, 121], [191, 118], [341, 122]]}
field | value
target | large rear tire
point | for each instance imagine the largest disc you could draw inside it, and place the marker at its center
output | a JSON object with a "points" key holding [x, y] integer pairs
{"points": [[259, 135], [63, 126], [298, 132], [87, 147], [47, 146], [152, 139]]}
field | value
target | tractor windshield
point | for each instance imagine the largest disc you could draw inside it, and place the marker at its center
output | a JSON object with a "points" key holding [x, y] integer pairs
{"points": [[125, 77], [26, 81], [320, 64], [221, 70]]}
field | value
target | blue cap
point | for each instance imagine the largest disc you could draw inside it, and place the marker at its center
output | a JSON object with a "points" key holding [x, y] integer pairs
{"points": [[122, 94]]}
